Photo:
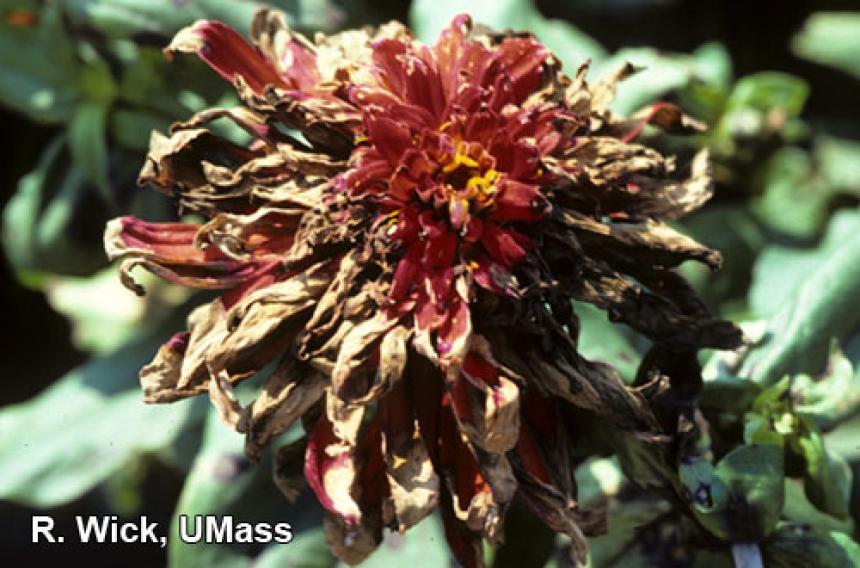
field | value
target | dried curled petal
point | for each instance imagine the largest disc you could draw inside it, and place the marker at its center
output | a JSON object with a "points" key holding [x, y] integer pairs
{"points": [[409, 262]]}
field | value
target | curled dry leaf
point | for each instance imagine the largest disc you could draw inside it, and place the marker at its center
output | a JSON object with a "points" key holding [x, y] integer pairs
{"points": [[410, 260]]}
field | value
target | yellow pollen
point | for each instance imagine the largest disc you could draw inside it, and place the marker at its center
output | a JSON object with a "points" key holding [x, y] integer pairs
{"points": [[398, 461], [482, 187], [445, 125], [392, 217], [361, 138], [459, 160]]}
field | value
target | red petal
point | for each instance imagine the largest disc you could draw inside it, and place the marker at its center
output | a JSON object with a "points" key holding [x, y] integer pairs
{"points": [[504, 245], [523, 59], [457, 459], [493, 276], [300, 66], [404, 274], [227, 52], [518, 201], [168, 249], [179, 342], [266, 275], [389, 137], [412, 76], [455, 331], [325, 455], [531, 456], [440, 251]]}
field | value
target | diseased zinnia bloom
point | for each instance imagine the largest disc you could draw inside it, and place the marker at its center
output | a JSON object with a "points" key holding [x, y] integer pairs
{"points": [[404, 236]]}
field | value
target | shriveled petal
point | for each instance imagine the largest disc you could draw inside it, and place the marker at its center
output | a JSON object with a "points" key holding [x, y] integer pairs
{"points": [[649, 242], [354, 372], [466, 545], [564, 373], [169, 250], [351, 542], [520, 202], [412, 480], [481, 485], [160, 377], [331, 472], [179, 368], [292, 389], [506, 246], [200, 168], [455, 333], [486, 404], [667, 117], [288, 469], [289, 52], [654, 314], [265, 322], [224, 400], [543, 468]]}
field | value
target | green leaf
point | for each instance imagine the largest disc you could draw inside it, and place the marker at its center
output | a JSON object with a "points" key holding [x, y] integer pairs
{"points": [[131, 128], [839, 162], [727, 393], [662, 73], [151, 84], [88, 145], [799, 510], [601, 340], [36, 221], [104, 315], [223, 482], [422, 545], [127, 18], [760, 106], [739, 236], [597, 479], [625, 526], [742, 497], [780, 270], [713, 64], [802, 546], [827, 479], [798, 336], [84, 428], [38, 68], [429, 17], [830, 38], [795, 196], [832, 397], [308, 549], [134, 18], [769, 90]]}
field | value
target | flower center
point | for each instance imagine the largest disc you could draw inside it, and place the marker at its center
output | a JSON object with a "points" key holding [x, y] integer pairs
{"points": [[470, 188]]}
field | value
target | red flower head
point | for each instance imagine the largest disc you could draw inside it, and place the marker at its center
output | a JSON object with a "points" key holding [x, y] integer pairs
{"points": [[409, 257], [450, 160]]}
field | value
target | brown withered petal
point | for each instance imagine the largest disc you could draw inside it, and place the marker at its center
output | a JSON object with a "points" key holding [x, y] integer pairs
{"points": [[288, 469], [287, 394], [403, 236]]}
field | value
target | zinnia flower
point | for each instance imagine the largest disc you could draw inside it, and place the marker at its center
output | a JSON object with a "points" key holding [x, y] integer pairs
{"points": [[404, 236]]}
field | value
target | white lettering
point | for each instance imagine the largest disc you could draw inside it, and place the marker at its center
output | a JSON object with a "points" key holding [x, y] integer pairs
{"points": [[42, 525], [187, 537], [92, 527]]}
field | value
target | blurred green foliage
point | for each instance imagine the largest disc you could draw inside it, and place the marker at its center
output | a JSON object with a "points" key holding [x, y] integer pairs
{"points": [[774, 468]]}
